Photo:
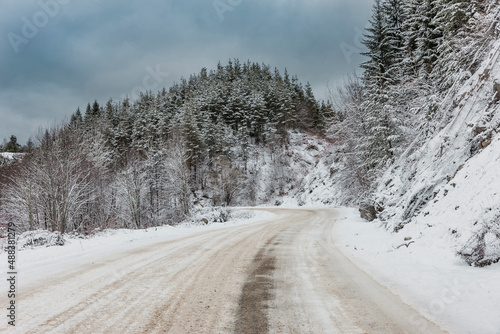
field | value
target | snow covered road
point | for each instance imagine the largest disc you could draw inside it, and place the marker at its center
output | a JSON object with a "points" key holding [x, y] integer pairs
{"points": [[281, 275]]}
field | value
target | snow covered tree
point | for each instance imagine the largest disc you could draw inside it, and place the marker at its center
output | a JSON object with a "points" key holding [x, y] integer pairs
{"points": [[12, 146], [142, 162], [377, 145], [225, 182], [76, 119], [20, 198], [422, 36], [452, 18], [180, 179], [132, 188], [62, 176]]}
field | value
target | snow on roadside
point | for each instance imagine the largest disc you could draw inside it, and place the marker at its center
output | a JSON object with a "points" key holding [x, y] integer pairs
{"points": [[427, 276], [450, 187], [34, 264]]}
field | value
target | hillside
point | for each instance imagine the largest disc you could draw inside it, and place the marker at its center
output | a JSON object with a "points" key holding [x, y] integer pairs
{"points": [[413, 141], [450, 187], [416, 135], [220, 138]]}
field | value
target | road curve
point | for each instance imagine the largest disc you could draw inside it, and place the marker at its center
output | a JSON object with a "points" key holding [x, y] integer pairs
{"points": [[282, 275]]}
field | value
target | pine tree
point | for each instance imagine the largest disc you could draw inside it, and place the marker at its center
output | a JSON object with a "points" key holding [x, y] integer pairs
{"points": [[315, 113], [422, 36], [429, 36], [379, 51], [12, 146], [76, 119], [376, 147], [192, 134], [452, 18], [394, 13], [96, 109], [88, 114]]}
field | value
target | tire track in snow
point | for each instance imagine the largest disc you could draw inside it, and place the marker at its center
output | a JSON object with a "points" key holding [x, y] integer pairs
{"points": [[283, 275], [252, 315]]}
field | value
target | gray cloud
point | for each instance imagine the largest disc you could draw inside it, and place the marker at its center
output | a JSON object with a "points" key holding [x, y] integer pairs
{"points": [[102, 49]]}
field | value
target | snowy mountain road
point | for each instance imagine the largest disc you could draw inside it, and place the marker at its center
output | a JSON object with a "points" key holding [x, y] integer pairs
{"points": [[281, 275]]}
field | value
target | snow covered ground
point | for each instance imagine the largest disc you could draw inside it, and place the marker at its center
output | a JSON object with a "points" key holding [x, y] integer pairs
{"points": [[77, 251], [8, 155], [198, 280], [450, 187], [426, 274]]}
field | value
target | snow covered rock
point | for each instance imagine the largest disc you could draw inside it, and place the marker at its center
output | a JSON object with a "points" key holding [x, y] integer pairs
{"points": [[368, 212], [483, 248]]}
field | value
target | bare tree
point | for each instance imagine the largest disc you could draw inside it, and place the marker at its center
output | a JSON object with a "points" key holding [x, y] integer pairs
{"points": [[225, 181], [51, 186], [20, 195], [131, 188], [179, 186]]}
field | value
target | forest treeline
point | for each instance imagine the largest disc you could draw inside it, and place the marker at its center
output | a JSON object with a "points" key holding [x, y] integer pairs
{"points": [[147, 162], [206, 139], [418, 53]]}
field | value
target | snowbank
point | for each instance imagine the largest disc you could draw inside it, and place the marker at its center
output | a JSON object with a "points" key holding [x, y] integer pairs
{"points": [[427, 276], [9, 155], [8, 158], [39, 238], [77, 250]]}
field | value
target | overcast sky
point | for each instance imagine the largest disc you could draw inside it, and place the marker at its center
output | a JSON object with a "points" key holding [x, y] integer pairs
{"points": [[56, 55]]}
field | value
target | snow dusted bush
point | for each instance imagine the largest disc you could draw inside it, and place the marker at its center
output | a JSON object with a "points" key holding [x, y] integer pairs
{"points": [[40, 238], [483, 248], [220, 214], [213, 215]]}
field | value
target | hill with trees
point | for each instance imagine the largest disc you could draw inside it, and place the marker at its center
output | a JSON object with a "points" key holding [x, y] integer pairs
{"points": [[147, 162], [397, 140], [421, 124]]}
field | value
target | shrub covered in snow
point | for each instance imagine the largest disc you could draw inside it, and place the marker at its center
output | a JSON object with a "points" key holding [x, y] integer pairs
{"points": [[219, 214], [212, 215], [483, 248], [40, 238]]}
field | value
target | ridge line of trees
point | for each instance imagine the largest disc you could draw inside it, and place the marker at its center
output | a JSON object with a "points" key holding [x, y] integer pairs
{"points": [[147, 162], [418, 53]]}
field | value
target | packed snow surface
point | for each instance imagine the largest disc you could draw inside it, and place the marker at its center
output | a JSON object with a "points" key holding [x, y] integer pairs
{"points": [[282, 274], [421, 270]]}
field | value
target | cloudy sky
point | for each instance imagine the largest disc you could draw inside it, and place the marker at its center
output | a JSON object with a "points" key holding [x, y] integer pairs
{"points": [[56, 55]]}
